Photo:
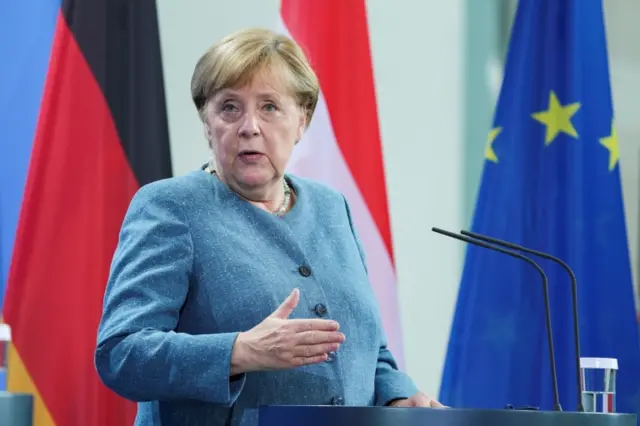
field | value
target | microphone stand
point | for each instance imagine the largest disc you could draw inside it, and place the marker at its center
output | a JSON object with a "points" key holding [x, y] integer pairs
{"points": [[574, 294], [545, 288]]}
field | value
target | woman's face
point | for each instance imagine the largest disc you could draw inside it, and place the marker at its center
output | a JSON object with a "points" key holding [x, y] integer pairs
{"points": [[252, 130]]}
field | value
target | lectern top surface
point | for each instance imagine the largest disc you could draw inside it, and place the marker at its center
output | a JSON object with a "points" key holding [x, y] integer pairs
{"points": [[387, 416]]}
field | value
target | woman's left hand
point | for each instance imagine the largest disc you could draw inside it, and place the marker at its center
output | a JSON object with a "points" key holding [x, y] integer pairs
{"points": [[417, 400]]}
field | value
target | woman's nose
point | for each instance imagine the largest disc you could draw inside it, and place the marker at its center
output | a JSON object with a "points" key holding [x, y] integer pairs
{"points": [[249, 125]]}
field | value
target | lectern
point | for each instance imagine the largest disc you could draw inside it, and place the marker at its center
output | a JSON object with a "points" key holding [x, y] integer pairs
{"points": [[274, 415], [16, 409]]}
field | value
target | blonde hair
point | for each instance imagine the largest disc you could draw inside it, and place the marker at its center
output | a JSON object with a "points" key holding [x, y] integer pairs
{"points": [[238, 57]]}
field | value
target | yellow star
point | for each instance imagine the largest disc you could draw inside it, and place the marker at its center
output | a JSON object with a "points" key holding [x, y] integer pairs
{"points": [[611, 143], [557, 118], [489, 153]]}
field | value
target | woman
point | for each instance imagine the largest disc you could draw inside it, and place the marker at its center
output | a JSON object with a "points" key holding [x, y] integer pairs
{"points": [[238, 285]]}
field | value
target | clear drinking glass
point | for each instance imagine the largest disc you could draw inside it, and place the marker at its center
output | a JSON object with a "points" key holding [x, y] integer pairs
{"points": [[598, 377]]}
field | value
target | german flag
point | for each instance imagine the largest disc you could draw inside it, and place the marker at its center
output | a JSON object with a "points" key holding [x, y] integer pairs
{"points": [[99, 131]]}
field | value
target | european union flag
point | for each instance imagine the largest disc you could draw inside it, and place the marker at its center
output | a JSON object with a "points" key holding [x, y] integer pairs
{"points": [[551, 182]]}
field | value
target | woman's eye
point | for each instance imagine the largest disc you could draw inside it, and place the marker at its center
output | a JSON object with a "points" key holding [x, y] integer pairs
{"points": [[229, 107], [270, 107]]}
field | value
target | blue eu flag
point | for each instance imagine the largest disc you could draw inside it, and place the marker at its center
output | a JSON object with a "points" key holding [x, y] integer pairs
{"points": [[551, 182]]}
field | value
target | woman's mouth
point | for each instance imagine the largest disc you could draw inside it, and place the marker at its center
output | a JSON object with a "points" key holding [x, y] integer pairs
{"points": [[249, 156]]}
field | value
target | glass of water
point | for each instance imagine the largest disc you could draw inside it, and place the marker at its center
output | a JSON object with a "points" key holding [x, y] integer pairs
{"points": [[598, 376]]}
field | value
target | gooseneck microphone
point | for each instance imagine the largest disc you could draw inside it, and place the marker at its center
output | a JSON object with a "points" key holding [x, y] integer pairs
{"points": [[574, 291], [545, 288]]}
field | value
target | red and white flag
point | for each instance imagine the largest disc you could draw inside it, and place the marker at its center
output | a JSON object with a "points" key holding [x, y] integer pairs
{"points": [[342, 146]]}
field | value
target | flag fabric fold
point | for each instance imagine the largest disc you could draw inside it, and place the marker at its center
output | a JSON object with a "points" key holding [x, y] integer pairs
{"points": [[101, 133], [551, 182]]}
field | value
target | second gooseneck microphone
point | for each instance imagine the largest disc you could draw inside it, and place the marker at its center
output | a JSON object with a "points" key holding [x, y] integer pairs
{"points": [[574, 293], [545, 288]]}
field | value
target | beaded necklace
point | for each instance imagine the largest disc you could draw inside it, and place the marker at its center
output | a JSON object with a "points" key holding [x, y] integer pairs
{"points": [[285, 201]]}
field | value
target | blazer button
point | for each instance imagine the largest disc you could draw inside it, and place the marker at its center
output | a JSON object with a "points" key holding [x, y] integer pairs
{"points": [[320, 310], [331, 356], [304, 271], [337, 400]]}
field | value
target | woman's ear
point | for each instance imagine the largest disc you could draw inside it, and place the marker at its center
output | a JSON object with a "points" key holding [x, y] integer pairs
{"points": [[207, 134], [302, 126], [205, 125]]}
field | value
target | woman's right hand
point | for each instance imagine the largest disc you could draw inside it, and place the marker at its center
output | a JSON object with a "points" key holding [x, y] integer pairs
{"points": [[279, 343]]}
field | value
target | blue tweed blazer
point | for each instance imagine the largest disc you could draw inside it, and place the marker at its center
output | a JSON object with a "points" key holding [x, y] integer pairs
{"points": [[196, 264]]}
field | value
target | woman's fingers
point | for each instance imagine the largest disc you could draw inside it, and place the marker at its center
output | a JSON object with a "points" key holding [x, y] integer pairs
{"points": [[302, 325], [307, 351], [316, 337], [301, 360]]}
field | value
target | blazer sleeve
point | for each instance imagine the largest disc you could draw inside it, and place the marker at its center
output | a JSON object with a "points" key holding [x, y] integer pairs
{"points": [[390, 382], [139, 355]]}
